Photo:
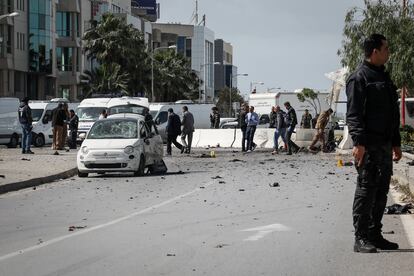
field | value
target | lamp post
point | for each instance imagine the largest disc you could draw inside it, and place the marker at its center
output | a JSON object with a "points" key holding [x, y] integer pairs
{"points": [[255, 82], [152, 68], [13, 14], [231, 87], [205, 86]]}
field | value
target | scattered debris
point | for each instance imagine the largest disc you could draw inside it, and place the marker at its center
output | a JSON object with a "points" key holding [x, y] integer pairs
{"points": [[216, 177], [398, 209], [221, 245], [389, 232], [202, 187], [2, 176], [73, 228], [270, 173], [222, 182], [261, 163], [170, 255], [411, 163], [237, 160], [203, 155], [25, 159], [34, 188], [331, 173], [241, 190], [348, 164], [276, 184]]}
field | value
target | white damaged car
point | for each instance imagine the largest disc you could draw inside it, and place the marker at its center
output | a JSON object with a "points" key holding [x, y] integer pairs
{"points": [[122, 143]]}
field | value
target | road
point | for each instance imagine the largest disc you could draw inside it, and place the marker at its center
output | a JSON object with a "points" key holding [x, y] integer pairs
{"points": [[208, 216]]}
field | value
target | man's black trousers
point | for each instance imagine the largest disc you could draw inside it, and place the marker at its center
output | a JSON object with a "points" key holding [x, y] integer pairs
{"points": [[172, 139], [373, 183]]}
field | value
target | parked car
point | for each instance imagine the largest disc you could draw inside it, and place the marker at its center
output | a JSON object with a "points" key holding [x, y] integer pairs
{"points": [[121, 143], [10, 129]]}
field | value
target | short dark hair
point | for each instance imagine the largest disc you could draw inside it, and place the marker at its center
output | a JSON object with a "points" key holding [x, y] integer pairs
{"points": [[170, 110], [330, 110], [73, 111], [374, 41], [25, 100], [286, 104], [185, 108]]}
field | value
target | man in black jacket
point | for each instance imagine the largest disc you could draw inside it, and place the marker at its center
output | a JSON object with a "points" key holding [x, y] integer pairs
{"points": [[26, 120], [173, 130], [373, 119], [291, 121]]}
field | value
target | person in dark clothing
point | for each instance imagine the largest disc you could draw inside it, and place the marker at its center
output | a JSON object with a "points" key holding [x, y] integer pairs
{"points": [[243, 125], [58, 120], [215, 118], [272, 118], [373, 119], [26, 120], [306, 120], [291, 121], [280, 130], [173, 130], [188, 129], [73, 128]]}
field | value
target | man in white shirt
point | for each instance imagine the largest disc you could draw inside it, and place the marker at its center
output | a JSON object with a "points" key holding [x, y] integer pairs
{"points": [[252, 120]]}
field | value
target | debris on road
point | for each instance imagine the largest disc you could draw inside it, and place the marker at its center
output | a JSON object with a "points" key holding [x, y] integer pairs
{"points": [[170, 255], [73, 228], [2, 176], [331, 173], [275, 184], [411, 163], [221, 245], [25, 159], [237, 160], [388, 232], [217, 177], [202, 187], [241, 190], [398, 209]]}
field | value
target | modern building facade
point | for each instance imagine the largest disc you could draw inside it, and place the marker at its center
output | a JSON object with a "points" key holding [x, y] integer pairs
{"points": [[225, 71], [41, 52], [197, 44]]}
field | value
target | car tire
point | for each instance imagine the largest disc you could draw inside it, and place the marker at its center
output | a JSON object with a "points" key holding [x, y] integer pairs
{"points": [[141, 167], [14, 141], [39, 140], [81, 174]]}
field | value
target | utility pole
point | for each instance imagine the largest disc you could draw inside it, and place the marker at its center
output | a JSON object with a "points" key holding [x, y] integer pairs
{"points": [[404, 88]]}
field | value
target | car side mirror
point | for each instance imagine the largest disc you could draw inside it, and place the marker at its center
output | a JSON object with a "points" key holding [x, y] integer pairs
{"points": [[45, 120]]}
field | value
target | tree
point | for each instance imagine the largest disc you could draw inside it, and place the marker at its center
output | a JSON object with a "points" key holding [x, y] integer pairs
{"points": [[104, 79], [224, 103], [114, 44], [173, 78], [390, 19], [310, 96]]}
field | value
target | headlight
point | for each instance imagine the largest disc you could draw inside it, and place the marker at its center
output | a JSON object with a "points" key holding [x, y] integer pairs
{"points": [[129, 149], [84, 150]]}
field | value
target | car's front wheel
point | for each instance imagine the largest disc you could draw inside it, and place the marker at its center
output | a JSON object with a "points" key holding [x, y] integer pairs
{"points": [[141, 167], [14, 141], [81, 174], [39, 140]]}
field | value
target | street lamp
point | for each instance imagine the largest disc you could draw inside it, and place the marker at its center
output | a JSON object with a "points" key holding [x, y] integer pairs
{"points": [[13, 14], [205, 86], [255, 82], [231, 86], [152, 68]]}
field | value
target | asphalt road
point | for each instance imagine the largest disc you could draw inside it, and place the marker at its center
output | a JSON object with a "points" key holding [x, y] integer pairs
{"points": [[191, 224]]}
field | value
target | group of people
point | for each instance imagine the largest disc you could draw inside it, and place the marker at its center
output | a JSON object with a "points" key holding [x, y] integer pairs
{"points": [[176, 127], [283, 122], [62, 120]]}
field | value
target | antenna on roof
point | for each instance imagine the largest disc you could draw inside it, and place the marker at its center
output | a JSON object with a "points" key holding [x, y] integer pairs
{"points": [[194, 16]]}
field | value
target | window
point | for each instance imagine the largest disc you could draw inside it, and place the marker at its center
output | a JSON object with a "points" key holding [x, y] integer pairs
{"points": [[9, 39], [116, 9], [20, 5], [63, 24], [64, 59]]}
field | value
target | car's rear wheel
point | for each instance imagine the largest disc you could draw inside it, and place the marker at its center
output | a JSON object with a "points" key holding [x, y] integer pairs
{"points": [[14, 141], [81, 174], [141, 167], [39, 140]]}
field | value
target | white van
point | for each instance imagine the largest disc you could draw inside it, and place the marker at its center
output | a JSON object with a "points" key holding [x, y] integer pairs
{"points": [[201, 113], [89, 110], [10, 129], [42, 120]]}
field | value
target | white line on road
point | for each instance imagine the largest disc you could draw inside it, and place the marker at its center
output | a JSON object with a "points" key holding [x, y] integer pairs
{"points": [[97, 227], [262, 231]]}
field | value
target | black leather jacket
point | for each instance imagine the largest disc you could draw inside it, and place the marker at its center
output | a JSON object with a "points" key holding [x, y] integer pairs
{"points": [[373, 115]]}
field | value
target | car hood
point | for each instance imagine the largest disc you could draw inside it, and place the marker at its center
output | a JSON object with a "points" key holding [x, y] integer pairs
{"points": [[108, 143]]}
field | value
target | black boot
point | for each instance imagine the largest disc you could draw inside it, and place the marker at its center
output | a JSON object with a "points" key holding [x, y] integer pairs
{"points": [[364, 246], [384, 244]]}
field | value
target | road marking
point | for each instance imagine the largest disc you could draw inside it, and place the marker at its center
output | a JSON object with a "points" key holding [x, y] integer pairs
{"points": [[265, 230], [101, 226]]}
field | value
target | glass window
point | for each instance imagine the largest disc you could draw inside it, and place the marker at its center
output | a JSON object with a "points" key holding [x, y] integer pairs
{"points": [[34, 6], [42, 6], [89, 113], [114, 129], [64, 59], [37, 114], [134, 109], [162, 117]]}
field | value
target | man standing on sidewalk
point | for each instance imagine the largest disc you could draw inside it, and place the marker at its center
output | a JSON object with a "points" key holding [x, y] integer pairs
{"points": [[58, 117], [243, 125], [188, 129], [323, 120], [291, 121], [25, 119], [306, 120], [280, 130], [173, 129], [373, 119], [252, 120], [73, 128]]}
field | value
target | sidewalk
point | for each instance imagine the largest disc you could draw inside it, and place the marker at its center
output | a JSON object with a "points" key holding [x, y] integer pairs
{"points": [[19, 171]]}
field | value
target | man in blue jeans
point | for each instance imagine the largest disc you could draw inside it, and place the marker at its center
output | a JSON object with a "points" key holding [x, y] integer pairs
{"points": [[280, 130], [25, 119], [291, 121], [252, 120]]}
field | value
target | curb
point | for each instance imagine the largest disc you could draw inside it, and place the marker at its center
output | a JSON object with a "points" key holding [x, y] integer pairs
{"points": [[37, 181]]}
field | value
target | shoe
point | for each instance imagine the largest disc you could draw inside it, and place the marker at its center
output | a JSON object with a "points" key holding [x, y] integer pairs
{"points": [[364, 246], [56, 153], [29, 152], [254, 147], [23, 152], [275, 152], [384, 244], [289, 153], [249, 151], [182, 150]]}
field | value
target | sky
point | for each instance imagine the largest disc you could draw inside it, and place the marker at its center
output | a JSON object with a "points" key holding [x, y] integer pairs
{"points": [[283, 43]]}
